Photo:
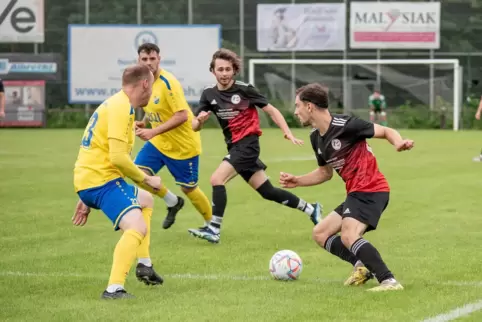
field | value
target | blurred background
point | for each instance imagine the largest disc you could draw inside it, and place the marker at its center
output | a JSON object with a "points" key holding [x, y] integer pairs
{"points": [[55, 75]]}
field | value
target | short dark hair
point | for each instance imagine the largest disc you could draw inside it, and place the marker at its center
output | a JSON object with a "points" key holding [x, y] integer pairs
{"points": [[148, 47], [226, 54], [135, 73], [314, 93]]}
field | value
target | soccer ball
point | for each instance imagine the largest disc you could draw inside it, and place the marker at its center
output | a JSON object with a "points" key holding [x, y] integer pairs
{"points": [[285, 265]]}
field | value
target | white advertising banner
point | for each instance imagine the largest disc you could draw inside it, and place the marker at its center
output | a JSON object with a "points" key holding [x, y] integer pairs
{"points": [[386, 25], [98, 54], [22, 21], [301, 27]]}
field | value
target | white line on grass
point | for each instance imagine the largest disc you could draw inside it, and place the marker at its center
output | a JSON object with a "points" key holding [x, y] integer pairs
{"points": [[191, 276], [457, 312]]}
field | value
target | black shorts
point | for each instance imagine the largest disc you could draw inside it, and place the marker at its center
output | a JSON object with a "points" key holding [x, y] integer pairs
{"points": [[244, 157], [366, 207]]}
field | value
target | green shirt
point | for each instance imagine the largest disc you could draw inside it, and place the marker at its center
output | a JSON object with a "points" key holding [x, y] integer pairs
{"points": [[378, 103]]}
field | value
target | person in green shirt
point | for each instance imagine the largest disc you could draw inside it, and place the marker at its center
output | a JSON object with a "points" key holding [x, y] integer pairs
{"points": [[377, 105]]}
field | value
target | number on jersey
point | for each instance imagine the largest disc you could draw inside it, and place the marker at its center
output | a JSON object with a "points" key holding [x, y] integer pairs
{"points": [[89, 132]]}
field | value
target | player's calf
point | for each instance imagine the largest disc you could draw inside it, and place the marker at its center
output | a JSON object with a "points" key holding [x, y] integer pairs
{"points": [[351, 233], [325, 235], [286, 198]]}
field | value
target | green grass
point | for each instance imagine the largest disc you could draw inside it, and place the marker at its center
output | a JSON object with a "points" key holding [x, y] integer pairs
{"points": [[429, 235]]}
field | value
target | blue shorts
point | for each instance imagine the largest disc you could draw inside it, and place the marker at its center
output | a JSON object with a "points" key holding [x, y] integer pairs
{"points": [[185, 172], [115, 199]]}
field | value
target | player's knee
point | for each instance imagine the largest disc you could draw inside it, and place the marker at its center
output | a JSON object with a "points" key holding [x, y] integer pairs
{"points": [[372, 113], [348, 237], [187, 190], [382, 113], [146, 199], [133, 220], [216, 180], [267, 191], [321, 232]]}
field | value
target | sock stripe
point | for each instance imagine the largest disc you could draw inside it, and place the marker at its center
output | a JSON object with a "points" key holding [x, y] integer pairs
{"points": [[357, 245], [329, 241]]}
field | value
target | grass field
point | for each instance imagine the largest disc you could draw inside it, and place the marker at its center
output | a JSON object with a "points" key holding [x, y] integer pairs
{"points": [[430, 237]]}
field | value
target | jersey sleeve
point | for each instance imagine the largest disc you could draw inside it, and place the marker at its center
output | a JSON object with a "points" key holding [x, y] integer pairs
{"points": [[2, 88], [255, 97], [174, 94], [119, 122], [314, 145], [204, 104], [360, 129]]}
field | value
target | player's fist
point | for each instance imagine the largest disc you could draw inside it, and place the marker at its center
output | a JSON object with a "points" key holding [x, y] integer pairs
{"points": [[145, 134], [140, 124], [288, 180], [154, 182], [404, 145], [477, 115], [81, 214], [203, 116]]}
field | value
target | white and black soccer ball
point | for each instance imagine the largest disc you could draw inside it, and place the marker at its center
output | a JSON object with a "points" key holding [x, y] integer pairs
{"points": [[285, 265]]}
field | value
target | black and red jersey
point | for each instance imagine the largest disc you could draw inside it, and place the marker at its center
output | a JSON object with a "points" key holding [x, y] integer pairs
{"points": [[235, 109], [345, 149]]}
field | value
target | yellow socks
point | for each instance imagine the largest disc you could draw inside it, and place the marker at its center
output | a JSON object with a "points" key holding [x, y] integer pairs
{"points": [[143, 250], [201, 203], [124, 256]]}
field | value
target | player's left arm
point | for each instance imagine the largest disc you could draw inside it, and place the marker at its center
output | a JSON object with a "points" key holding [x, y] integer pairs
{"points": [[384, 103], [261, 101], [361, 129], [2, 100], [392, 136], [177, 102]]}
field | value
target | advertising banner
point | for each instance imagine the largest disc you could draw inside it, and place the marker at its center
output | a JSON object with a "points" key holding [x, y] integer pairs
{"points": [[24, 104], [395, 25], [22, 21], [30, 67], [301, 27], [98, 54]]}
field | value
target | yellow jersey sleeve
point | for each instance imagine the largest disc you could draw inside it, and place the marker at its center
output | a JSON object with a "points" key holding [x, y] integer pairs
{"points": [[174, 94], [120, 123]]}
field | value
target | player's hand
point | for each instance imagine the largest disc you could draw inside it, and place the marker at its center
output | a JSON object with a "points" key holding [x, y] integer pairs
{"points": [[203, 116], [140, 125], [81, 214], [293, 139], [477, 115], [404, 145], [154, 182], [2, 115], [288, 180], [145, 134]]}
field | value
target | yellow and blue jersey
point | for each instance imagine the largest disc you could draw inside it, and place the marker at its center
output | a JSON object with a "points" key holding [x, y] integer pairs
{"points": [[167, 98], [113, 119]]}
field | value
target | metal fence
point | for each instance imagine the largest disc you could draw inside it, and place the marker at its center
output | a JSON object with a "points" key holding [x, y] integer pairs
{"points": [[460, 20]]}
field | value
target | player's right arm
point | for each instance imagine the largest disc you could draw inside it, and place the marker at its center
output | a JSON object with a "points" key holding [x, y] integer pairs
{"points": [[315, 177], [323, 173], [479, 110], [119, 128], [202, 114]]}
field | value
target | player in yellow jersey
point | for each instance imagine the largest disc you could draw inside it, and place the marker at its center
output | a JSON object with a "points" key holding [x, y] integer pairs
{"points": [[171, 140], [102, 163]]}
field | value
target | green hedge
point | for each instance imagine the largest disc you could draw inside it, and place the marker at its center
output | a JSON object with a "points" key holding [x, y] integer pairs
{"points": [[409, 116]]}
